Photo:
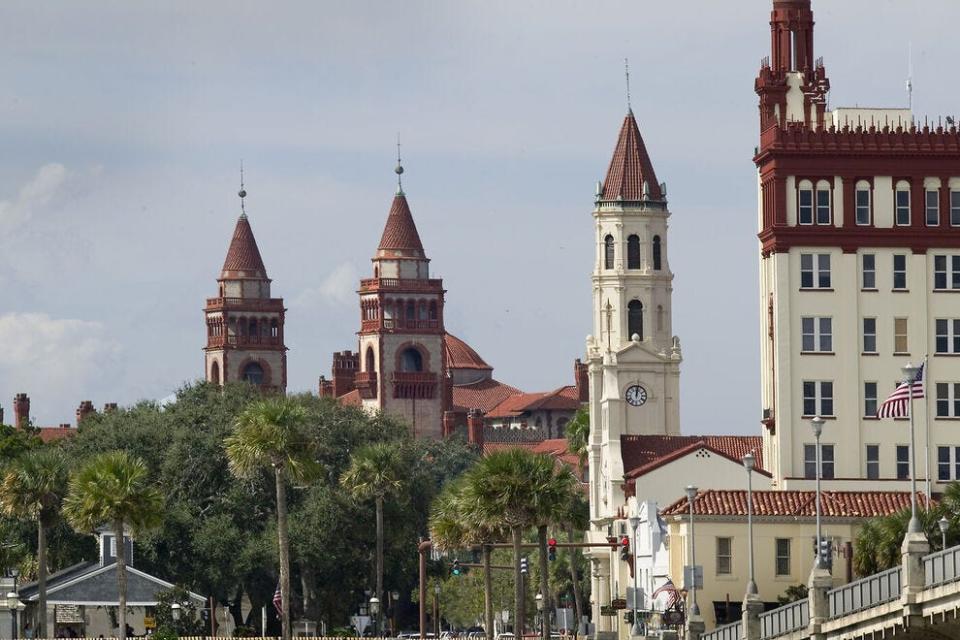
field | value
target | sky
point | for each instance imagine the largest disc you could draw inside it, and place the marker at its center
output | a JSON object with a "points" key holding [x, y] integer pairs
{"points": [[123, 126]]}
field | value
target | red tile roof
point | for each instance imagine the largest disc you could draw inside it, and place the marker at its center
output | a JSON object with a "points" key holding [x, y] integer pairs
{"points": [[400, 232], [562, 399], [630, 166], [834, 504], [243, 256], [556, 447], [460, 355], [483, 395], [642, 454], [350, 399]]}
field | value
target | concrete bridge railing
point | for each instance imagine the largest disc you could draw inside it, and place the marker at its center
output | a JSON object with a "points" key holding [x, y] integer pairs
{"points": [[865, 593], [941, 567], [785, 619]]}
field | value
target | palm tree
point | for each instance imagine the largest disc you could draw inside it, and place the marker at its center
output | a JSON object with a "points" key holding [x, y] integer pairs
{"points": [[33, 488], [578, 437], [877, 546], [520, 489], [113, 488], [270, 434], [577, 519], [376, 471]]}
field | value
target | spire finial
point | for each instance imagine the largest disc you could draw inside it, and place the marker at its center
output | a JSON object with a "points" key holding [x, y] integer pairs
{"points": [[242, 193], [626, 70], [399, 169]]}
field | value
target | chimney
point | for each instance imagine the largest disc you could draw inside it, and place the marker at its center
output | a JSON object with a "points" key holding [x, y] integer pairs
{"points": [[325, 388], [581, 380], [109, 407], [85, 409], [1, 415], [21, 410], [475, 427]]}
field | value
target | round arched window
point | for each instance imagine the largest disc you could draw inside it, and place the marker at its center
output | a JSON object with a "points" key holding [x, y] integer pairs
{"points": [[411, 360], [253, 373]]}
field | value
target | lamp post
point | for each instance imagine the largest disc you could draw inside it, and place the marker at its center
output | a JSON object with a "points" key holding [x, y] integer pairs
{"points": [[944, 524], [540, 611], [374, 613], [175, 611], [504, 618], [436, 607], [909, 374], [634, 521], [13, 603], [694, 608], [748, 463], [817, 425]]}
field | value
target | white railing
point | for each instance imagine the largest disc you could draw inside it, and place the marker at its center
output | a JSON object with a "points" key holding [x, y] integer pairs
{"points": [[783, 620], [865, 593], [941, 567], [726, 632]]}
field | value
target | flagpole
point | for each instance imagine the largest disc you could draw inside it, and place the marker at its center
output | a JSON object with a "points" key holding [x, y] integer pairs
{"points": [[909, 372], [926, 427]]}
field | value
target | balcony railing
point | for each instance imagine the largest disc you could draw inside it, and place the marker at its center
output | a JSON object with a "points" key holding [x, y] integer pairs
{"points": [[409, 284], [414, 385], [243, 341], [726, 632], [782, 620], [366, 382], [253, 304], [865, 593], [941, 567]]}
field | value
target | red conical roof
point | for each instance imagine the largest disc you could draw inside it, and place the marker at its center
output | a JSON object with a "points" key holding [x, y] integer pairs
{"points": [[243, 256], [630, 167], [400, 233]]}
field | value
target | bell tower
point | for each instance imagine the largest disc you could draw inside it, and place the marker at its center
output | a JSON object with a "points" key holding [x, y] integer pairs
{"points": [[402, 367], [244, 324]]}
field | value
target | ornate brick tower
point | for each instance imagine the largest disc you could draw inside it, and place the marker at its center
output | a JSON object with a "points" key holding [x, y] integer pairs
{"points": [[402, 368], [244, 324]]}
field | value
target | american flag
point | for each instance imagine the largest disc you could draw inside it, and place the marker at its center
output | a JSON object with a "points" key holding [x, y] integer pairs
{"points": [[278, 600], [896, 406], [673, 596]]}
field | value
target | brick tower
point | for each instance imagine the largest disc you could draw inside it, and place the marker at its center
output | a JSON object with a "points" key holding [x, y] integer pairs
{"points": [[244, 324], [402, 369]]}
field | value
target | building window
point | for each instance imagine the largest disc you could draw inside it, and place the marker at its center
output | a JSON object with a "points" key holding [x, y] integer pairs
{"points": [[955, 208], [215, 372], [870, 399], [724, 556], [869, 335], [869, 272], [253, 373], [863, 205], [657, 256], [411, 360], [608, 252], [823, 206], [903, 206], [635, 319], [633, 252], [899, 271], [810, 461], [815, 270], [873, 461], [948, 400], [783, 556], [817, 398], [900, 336], [943, 463], [806, 206], [817, 334], [944, 278], [933, 207], [948, 336], [903, 462]]}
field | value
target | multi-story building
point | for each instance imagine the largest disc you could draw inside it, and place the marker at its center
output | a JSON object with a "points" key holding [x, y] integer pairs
{"points": [[859, 217]]}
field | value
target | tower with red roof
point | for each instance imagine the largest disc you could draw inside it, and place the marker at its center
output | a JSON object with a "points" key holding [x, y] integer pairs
{"points": [[402, 364], [244, 323]]}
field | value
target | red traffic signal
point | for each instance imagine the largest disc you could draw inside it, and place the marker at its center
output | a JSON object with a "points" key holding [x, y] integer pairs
{"points": [[624, 548], [552, 549]]}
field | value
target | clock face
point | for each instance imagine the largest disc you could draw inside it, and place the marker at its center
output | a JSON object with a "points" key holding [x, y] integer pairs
{"points": [[636, 395]]}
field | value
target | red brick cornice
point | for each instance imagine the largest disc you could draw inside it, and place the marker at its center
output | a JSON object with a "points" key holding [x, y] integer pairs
{"points": [[779, 239]]}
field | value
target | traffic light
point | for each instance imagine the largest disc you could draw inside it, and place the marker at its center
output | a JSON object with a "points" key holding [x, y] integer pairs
{"points": [[552, 549], [524, 566], [624, 548], [826, 553], [456, 569]]}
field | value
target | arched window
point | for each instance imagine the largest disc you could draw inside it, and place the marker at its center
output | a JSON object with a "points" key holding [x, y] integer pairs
{"points": [[369, 363], [657, 260], [608, 252], [215, 372], [659, 317], [422, 307], [433, 309], [633, 252], [274, 329], [411, 310], [242, 326], [635, 319], [376, 272], [411, 360], [253, 373], [252, 332]]}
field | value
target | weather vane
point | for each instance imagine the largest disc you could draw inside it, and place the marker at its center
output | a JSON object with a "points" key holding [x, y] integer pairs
{"points": [[243, 192], [399, 169]]}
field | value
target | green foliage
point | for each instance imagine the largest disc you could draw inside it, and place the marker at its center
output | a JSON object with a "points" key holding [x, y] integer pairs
{"points": [[187, 623], [793, 593], [578, 436], [271, 433], [113, 487], [14, 442], [33, 486], [376, 470]]}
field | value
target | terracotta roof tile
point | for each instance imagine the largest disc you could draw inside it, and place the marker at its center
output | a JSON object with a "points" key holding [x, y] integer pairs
{"points": [[642, 454], [483, 395], [243, 256], [630, 166], [400, 233], [460, 355], [561, 399], [834, 504], [350, 399], [556, 447]]}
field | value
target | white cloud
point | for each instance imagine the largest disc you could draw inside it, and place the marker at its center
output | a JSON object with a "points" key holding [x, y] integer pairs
{"points": [[338, 289], [58, 362], [33, 196]]}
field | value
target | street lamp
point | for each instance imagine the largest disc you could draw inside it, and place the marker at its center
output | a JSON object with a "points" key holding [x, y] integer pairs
{"points": [[374, 610], [175, 611], [748, 463], [635, 528], [909, 374], [694, 608], [436, 606], [13, 603], [944, 524], [817, 425], [539, 600]]}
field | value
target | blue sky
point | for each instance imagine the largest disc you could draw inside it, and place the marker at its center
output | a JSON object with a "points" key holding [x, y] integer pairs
{"points": [[124, 125]]}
